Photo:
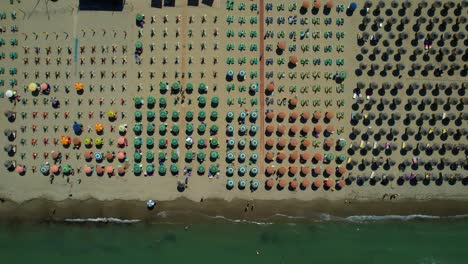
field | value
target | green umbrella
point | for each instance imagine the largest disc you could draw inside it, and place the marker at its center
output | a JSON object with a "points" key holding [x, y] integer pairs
{"points": [[342, 143], [201, 142], [215, 101], [137, 142], [254, 184], [202, 128], [213, 169], [175, 114], [230, 170], [149, 155], [66, 169], [201, 156], [149, 141], [242, 184], [242, 156], [175, 129], [214, 142], [137, 168], [242, 170], [151, 100], [342, 74], [253, 87], [162, 142], [139, 17], [254, 143], [138, 44], [214, 115], [161, 155], [162, 170], [202, 87], [163, 114], [189, 128], [174, 143], [174, 156], [202, 115], [214, 129], [162, 128], [137, 156], [230, 115], [163, 86], [137, 128], [230, 183], [174, 168], [150, 114], [230, 129], [231, 142], [138, 115], [201, 169], [254, 171], [189, 115], [214, 155], [150, 128], [202, 100], [189, 155], [329, 156], [342, 157], [189, 88], [176, 86], [150, 169]]}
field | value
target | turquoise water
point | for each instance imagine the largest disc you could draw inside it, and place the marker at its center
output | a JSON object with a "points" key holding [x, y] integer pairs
{"points": [[417, 241]]}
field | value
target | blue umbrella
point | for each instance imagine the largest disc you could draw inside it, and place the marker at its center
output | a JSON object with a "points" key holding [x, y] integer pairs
{"points": [[98, 155], [76, 127], [352, 6]]}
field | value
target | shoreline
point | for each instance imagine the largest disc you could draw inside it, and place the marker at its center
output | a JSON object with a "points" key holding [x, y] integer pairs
{"points": [[265, 211]]}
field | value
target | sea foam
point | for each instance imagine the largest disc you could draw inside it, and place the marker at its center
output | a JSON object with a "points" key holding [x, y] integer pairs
{"points": [[102, 220]]}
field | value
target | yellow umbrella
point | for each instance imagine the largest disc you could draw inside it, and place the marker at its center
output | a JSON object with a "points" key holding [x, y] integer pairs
{"points": [[78, 86], [98, 141], [87, 141], [111, 114], [99, 127], [32, 87]]}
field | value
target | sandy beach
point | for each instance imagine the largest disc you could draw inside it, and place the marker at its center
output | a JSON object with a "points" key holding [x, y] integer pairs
{"points": [[260, 101]]}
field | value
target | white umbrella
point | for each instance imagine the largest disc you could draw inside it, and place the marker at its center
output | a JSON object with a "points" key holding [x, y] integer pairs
{"points": [[9, 93], [150, 203]]}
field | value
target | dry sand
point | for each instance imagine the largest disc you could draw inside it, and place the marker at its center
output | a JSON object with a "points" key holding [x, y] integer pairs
{"points": [[63, 16]]}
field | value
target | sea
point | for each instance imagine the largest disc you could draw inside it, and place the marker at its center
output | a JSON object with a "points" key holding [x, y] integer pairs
{"points": [[355, 239]]}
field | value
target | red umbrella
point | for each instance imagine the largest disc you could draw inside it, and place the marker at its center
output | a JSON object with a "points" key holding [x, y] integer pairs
{"points": [[121, 141], [54, 169], [293, 59], [306, 142], [305, 183], [293, 156], [293, 184], [294, 128], [270, 170], [294, 115], [281, 128], [318, 183], [318, 129], [293, 101], [270, 156], [305, 156], [304, 170], [317, 115], [329, 115], [270, 129], [317, 171], [121, 155], [282, 183], [281, 115], [293, 142], [270, 183], [329, 170], [281, 156], [330, 183], [87, 169], [270, 142], [293, 170], [19, 169], [281, 170], [282, 45], [270, 115], [281, 142], [270, 87]]}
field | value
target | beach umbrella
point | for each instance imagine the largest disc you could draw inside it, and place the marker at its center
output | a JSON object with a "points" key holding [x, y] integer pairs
{"points": [[329, 4], [176, 86], [109, 170], [150, 128], [230, 183], [281, 156], [293, 60], [270, 142], [99, 127], [317, 4], [189, 88], [9, 93], [305, 183], [352, 6], [175, 129], [100, 170], [242, 73], [213, 169], [293, 184], [174, 156], [150, 169], [139, 17], [317, 183], [230, 73], [329, 170], [305, 156], [253, 143], [45, 168], [189, 129], [65, 140], [215, 101], [137, 168], [254, 157], [201, 156], [242, 184], [281, 143], [76, 142], [231, 142], [270, 170], [137, 142], [270, 115], [201, 169], [110, 114], [138, 44], [202, 115], [342, 75], [305, 4], [281, 115], [19, 169], [161, 170], [306, 142], [163, 86], [270, 183], [98, 155], [230, 115], [87, 169], [202, 100], [174, 168], [214, 142], [282, 183], [317, 115], [281, 128], [294, 128], [214, 155], [121, 170], [121, 155], [270, 128], [202, 87], [293, 156], [318, 157], [122, 128], [329, 115], [87, 155], [271, 86], [242, 170], [77, 128], [189, 156], [330, 183], [270, 156], [150, 155], [54, 169], [293, 170], [162, 128], [189, 115], [242, 156], [214, 115], [341, 170], [254, 184], [98, 141], [66, 169], [44, 86], [32, 87], [174, 143]]}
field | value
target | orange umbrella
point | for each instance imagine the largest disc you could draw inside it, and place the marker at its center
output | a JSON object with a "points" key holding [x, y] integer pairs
{"points": [[19, 169], [306, 142], [121, 155], [270, 170], [99, 127], [282, 183], [54, 169], [318, 157], [294, 128], [99, 169], [270, 115], [294, 115], [330, 129], [305, 156], [270, 129], [305, 4], [317, 183], [293, 59], [55, 154], [305, 129], [293, 101], [109, 169], [76, 141], [270, 183], [281, 115], [121, 170], [342, 183], [88, 154], [281, 156], [65, 140], [281, 128], [305, 115], [341, 170], [270, 142], [318, 128], [281, 170], [87, 169], [270, 156], [329, 142], [317, 4], [293, 156], [109, 156], [121, 141], [293, 184], [329, 4], [329, 170], [329, 115], [270, 87], [330, 183], [305, 183], [304, 170], [317, 171], [317, 115], [293, 170], [293, 142], [281, 142], [282, 45], [78, 86]]}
